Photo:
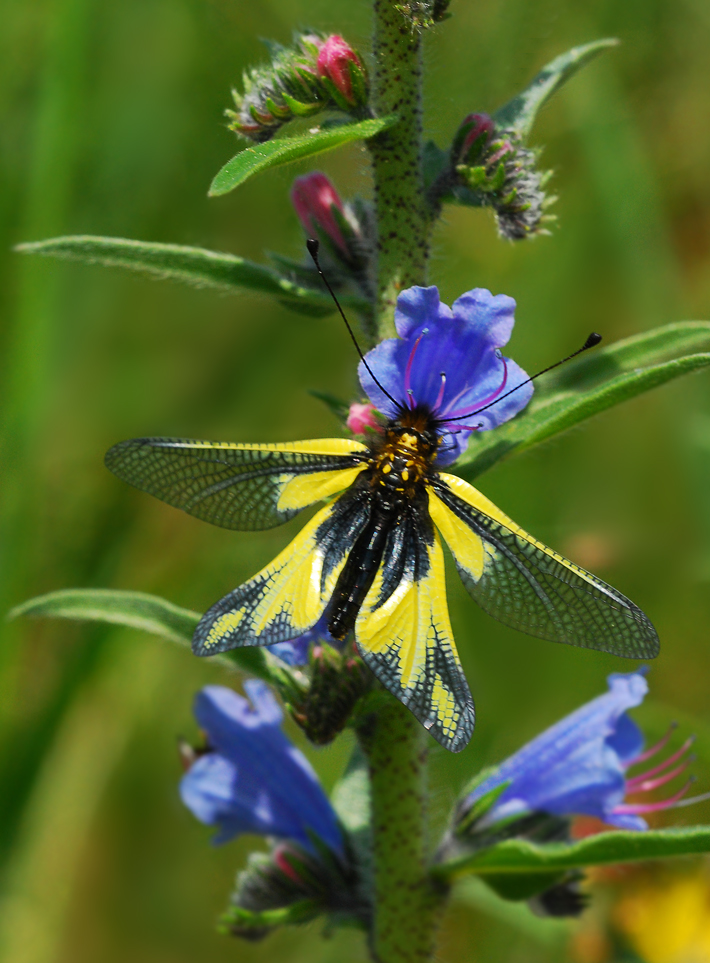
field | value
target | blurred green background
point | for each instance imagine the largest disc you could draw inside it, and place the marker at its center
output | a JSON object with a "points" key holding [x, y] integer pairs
{"points": [[112, 124]]}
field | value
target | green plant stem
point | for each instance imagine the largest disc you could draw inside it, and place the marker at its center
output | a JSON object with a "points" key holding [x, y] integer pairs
{"points": [[400, 206], [406, 902]]}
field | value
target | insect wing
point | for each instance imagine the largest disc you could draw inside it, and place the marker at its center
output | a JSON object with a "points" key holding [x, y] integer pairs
{"points": [[526, 585], [404, 635], [288, 597], [243, 487]]}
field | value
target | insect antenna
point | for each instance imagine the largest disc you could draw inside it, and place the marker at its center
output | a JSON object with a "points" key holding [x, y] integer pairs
{"points": [[591, 342], [313, 244]]}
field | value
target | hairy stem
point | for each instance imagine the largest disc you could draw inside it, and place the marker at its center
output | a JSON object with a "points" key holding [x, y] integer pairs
{"points": [[406, 903], [400, 205]]}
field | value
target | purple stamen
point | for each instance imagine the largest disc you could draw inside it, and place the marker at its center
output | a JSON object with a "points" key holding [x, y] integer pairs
{"points": [[408, 371], [655, 748], [440, 396], [472, 409], [638, 809], [663, 765], [650, 784]]}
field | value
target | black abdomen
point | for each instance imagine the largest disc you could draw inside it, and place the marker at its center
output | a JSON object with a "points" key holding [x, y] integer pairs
{"points": [[359, 571]]}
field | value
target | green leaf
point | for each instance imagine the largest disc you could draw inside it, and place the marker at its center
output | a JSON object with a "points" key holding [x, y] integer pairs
{"points": [[592, 383], [521, 856], [138, 610], [520, 886], [195, 266], [284, 150], [436, 162], [352, 801], [518, 115], [258, 922], [336, 406]]}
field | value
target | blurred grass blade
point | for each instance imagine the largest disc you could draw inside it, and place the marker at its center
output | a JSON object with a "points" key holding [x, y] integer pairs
{"points": [[149, 613], [44, 868], [514, 856], [590, 384], [518, 115], [191, 265], [284, 150]]}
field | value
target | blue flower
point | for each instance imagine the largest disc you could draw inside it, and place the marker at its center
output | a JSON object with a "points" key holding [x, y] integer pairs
{"points": [[253, 779], [296, 651], [579, 765], [447, 361]]}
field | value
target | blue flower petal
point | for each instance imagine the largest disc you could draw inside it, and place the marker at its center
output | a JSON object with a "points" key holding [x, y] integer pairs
{"points": [[293, 653], [627, 741], [493, 315], [576, 766], [416, 307], [254, 779], [448, 361]]}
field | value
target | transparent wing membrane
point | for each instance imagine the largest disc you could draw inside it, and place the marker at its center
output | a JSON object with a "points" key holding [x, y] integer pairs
{"points": [[242, 487], [289, 596], [526, 585]]}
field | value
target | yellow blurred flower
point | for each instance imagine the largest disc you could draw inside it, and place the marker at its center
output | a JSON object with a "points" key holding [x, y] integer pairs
{"points": [[664, 915]]}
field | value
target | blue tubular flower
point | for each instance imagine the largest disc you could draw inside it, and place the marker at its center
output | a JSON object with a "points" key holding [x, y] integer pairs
{"points": [[447, 361], [579, 765], [296, 652], [253, 779]]}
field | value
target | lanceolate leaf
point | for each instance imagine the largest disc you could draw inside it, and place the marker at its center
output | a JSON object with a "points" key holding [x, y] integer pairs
{"points": [[518, 856], [138, 610], [592, 383], [284, 150], [518, 115], [351, 800], [192, 265]]}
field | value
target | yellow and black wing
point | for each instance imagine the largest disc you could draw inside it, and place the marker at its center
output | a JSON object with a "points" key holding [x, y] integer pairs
{"points": [[404, 635], [521, 582], [288, 597], [243, 487]]}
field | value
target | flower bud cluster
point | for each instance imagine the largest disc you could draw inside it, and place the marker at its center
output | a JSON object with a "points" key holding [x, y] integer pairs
{"points": [[337, 682], [423, 13], [501, 173], [288, 876], [317, 72]]}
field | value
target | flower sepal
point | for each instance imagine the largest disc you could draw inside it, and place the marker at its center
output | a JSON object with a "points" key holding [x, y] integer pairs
{"points": [[468, 812]]}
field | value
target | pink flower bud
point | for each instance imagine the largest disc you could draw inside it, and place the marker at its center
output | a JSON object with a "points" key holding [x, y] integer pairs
{"points": [[362, 417], [334, 59], [314, 197], [280, 856], [473, 127]]}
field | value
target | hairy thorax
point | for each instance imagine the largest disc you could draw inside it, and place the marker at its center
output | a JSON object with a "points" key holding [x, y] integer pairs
{"points": [[404, 457]]}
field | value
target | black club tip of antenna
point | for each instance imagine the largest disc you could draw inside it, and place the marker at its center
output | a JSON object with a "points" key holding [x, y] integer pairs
{"points": [[591, 342], [312, 244]]}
